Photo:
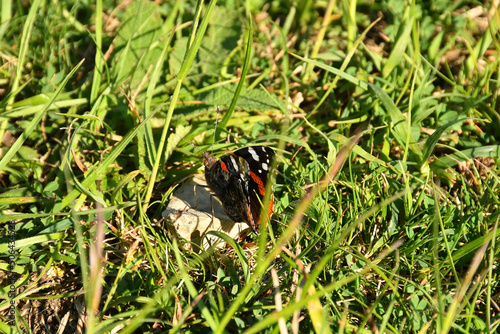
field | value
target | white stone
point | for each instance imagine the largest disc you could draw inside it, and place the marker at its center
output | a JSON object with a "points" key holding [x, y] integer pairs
{"points": [[189, 220]]}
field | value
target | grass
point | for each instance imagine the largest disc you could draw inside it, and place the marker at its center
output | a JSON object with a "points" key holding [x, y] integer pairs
{"points": [[385, 121]]}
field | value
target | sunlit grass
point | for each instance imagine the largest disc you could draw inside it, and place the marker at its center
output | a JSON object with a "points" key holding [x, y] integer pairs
{"points": [[385, 122]]}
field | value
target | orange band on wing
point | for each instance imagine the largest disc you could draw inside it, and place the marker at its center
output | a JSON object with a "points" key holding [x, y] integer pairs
{"points": [[270, 209], [260, 184], [223, 166]]}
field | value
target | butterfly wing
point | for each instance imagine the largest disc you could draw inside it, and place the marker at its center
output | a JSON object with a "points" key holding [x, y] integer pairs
{"points": [[258, 160]]}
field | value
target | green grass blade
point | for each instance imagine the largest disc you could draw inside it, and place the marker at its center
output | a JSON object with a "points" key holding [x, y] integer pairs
{"points": [[399, 123], [239, 251], [397, 52], [23, 48], [36, 120], [100, 170], [186, 65], [79, 186], [483, 44], [24, 111], [302, 303], [491, 260], [11, 95], [19, 216], [450, 160], [321, 36], [96, 82], [21, 243], [431, 142], [471, 247], [193, 49], [5, 17], [244, 71], [345, 63], [148, 131], [333, 70], [205, 311]]}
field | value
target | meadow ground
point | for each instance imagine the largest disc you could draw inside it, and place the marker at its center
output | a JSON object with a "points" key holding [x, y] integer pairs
{"points": [[385, 122]]}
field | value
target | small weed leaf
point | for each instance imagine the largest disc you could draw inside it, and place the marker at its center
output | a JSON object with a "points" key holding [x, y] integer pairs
{"points": [[400, 125]]}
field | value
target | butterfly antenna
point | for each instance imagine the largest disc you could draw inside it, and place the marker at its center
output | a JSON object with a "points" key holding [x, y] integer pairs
{"points": [[171, 129], [215, 130]]}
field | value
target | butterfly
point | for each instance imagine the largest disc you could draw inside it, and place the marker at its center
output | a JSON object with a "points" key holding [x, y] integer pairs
{"points": [[239, 180]]}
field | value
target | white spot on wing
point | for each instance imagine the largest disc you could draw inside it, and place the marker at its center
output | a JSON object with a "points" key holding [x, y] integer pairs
{"points": [[233, 161], [253, 154], [265, 166]]}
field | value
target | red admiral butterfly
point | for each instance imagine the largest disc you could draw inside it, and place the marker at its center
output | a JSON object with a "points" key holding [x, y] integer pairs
{"points": [[239, 181]]}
